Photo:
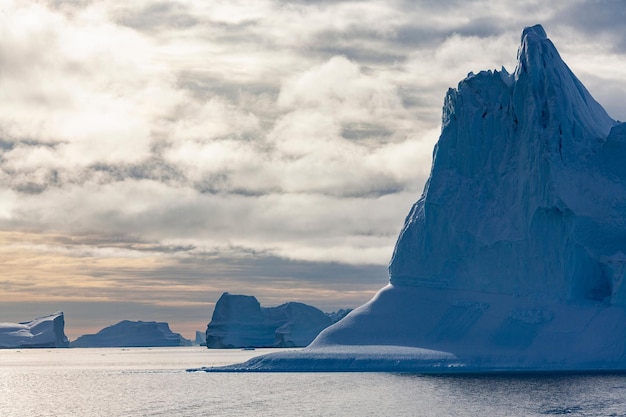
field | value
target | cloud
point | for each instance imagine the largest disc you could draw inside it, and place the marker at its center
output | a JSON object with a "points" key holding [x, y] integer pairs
{"points": [[602, 19], [154, 17], [75, 82], [208, 105], [182, 147]]}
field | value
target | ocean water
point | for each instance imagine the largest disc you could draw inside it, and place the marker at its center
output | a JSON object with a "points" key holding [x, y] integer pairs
{"points": [[154, 382]]}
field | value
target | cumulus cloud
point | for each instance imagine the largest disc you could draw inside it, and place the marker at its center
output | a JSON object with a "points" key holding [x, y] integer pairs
{"points": [[177, 137]]}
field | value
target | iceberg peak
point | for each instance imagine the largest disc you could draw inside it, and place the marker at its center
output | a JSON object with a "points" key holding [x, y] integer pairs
{"points": [[536, 30], [536, 52], [556, 93], [505, 208]]}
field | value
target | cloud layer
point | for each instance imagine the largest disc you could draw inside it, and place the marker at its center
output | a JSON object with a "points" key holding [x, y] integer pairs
{"points": [[143, 138]]}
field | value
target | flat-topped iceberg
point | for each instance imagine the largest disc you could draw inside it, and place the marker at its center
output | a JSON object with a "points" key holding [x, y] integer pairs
{"points": [[43, 332], [239, 321], [514, 257], [129, 333]]}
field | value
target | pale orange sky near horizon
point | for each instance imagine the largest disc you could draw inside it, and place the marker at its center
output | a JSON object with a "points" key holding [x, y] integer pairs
{"points": [[35, 268]]}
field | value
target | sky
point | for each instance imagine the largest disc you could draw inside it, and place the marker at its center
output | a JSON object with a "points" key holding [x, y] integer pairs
{"points": [[155, 154]]}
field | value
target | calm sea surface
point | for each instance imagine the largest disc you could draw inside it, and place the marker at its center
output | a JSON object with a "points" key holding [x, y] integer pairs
{"points": [[153, 382]]}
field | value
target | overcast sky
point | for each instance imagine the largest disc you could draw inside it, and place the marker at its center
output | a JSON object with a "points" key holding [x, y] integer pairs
{"points": [[154, 154]]}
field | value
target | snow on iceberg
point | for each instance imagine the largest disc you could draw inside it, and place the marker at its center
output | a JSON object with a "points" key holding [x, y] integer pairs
{"points": [[133, 334], [42, 332], [513, 259], [239, 321]]}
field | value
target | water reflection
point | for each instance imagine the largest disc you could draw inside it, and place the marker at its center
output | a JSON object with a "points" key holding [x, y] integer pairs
{"points": [[551, 394]]}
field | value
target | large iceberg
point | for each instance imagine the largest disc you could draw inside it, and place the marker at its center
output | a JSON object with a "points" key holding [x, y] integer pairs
{"points": [[514, 257], [239, 321], [42, 332], [129, 333]]}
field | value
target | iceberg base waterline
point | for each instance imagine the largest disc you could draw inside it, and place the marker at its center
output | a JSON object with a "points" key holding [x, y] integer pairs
{"points": [[445, 331]]}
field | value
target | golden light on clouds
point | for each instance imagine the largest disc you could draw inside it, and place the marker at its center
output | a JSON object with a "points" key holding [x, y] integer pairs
{"points": [[36, 266]]}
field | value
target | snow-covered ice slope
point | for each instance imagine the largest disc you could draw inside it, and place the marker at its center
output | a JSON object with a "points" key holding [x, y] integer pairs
{"points": [[129, 333], [514, 257], [42, 332]]}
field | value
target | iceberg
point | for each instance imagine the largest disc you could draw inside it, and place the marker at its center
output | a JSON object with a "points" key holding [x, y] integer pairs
{"points": [[43, 332], [200, 339], [128, 333], [239, 321], [514, 257]]}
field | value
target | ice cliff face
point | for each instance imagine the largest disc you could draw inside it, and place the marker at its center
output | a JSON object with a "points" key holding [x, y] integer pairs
{"points": [[133, 334], [526, 193], [42, 332], [240, 321]]}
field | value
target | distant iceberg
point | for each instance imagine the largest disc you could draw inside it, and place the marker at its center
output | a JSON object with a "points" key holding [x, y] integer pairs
{"points": [[239, 321], [514, 257], [42, 332], [200, 339], [129, 333]]}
